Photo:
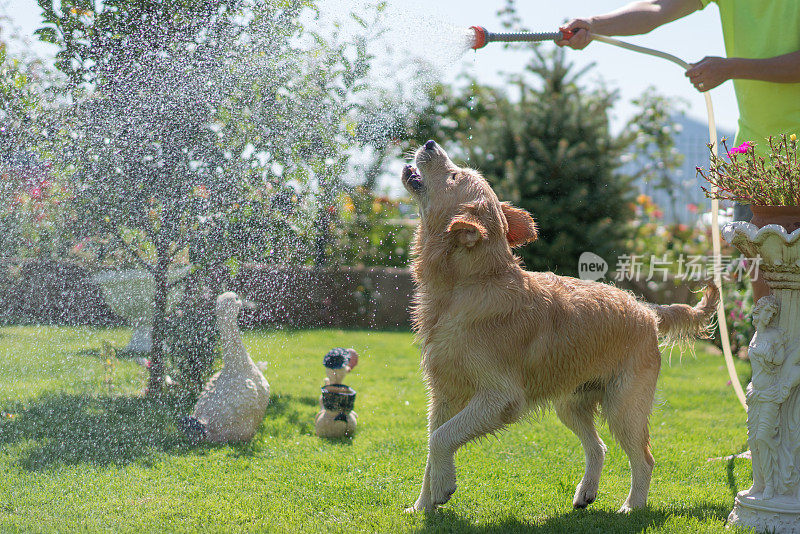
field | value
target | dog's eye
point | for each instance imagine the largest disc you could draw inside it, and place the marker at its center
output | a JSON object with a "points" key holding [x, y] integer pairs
{"points": [[453, 177]]}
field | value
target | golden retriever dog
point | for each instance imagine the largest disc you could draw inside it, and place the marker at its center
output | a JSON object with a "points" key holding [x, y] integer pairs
{"points": [[498, 341]]}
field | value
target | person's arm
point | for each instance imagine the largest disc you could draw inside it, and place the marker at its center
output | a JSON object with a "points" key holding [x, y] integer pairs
{"points": [[633, 19], [709, 72]]}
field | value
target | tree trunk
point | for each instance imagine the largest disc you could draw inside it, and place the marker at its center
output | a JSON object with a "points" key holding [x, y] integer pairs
{"points": [[156, 382]]}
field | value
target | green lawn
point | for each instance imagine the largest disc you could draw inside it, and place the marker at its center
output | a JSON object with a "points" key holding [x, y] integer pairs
{"points": [[75, 458]]}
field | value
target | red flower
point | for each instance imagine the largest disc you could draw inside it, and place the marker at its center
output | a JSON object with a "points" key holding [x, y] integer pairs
{"points": [[741, 149]]}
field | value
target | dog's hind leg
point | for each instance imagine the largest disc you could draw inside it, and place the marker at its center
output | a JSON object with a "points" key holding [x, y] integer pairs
{"points": [[627, 405], [577, 411], [486, 412]]}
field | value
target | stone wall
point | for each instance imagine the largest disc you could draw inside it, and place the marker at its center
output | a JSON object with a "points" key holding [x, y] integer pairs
{"points": [[51, 292], [361, 297]]}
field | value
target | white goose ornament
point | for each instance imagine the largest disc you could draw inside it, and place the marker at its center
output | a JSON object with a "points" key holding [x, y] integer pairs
{"points": [[234, 401]]}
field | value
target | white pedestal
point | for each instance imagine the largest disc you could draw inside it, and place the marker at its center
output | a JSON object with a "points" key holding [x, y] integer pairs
{"points": [[129, 293], [773, 397]]}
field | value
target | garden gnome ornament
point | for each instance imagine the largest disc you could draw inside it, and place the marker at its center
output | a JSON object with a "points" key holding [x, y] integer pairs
{"points": [[234, 401], [337, 418], [338, 362]]}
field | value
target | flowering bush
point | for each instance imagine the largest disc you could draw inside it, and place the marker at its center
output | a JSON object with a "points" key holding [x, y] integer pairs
{"points": [[651, 237], [751, 179], [33, 218], [372, 230]]}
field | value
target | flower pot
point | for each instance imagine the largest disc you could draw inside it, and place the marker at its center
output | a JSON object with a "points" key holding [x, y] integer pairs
{"points": [[338, 398], [337, 418], [786, 216], [129, 293]]}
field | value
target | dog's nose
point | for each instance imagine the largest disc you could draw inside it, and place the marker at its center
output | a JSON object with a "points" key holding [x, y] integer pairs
{"points": [[430, 145]]}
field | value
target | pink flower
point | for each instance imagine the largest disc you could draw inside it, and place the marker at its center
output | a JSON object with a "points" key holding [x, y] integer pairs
{"points": [[692, 208], [741, 149]]}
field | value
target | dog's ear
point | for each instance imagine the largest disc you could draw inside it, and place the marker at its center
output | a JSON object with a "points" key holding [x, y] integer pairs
{"points": [[521, 226], [467, 229]]}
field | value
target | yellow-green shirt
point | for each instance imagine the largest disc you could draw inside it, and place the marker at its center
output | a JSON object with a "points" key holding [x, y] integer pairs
{"points": [[756, 29]]}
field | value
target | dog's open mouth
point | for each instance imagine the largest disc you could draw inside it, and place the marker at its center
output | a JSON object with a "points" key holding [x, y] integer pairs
{"points": [[412, 179]]}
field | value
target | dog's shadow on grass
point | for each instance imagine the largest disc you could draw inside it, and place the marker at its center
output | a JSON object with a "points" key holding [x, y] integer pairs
{"points": [[576, 521]]}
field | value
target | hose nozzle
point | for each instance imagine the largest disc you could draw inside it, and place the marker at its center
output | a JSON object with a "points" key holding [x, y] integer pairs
{"points": [[480, 37], [483, 37]]}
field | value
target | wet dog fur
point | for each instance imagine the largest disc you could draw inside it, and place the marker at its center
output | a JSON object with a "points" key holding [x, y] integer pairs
{"points": [[498, 341]]}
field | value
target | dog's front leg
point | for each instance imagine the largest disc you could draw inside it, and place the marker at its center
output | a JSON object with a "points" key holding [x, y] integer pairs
{"points": [[488, 411], [439, 412]]}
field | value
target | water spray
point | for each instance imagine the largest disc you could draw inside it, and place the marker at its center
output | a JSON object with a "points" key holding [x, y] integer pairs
{"points": [[482, 37]]}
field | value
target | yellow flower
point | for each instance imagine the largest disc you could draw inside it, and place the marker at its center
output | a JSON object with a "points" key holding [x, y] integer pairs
{"points": [[348, 204], [793, 137], [643, 199], [77, 11]]}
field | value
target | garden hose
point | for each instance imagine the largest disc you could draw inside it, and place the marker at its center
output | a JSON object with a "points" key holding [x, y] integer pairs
{"points": [[483, 37]]}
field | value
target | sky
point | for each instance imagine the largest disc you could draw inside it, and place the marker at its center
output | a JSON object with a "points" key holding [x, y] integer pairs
{"points": [[691, 39]]}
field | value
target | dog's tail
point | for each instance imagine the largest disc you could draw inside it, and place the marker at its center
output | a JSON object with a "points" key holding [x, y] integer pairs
{"points": [[679, 321]]}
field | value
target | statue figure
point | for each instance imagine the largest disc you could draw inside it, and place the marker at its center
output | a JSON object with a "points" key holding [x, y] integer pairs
{"points": [[775, 377]]}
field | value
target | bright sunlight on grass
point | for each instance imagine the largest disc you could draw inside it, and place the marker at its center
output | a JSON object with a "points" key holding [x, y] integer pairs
{"points": [[80, 450]]}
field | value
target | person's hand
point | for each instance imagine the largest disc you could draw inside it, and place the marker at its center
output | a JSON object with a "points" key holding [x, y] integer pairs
{"points": [[582, 34], [709, 72]]}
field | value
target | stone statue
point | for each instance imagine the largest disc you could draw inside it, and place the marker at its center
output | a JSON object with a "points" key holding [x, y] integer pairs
{"points": [[776, 374]]}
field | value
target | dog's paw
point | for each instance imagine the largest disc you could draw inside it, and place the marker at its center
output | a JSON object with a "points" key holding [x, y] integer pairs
{"points": [[409, 171], [422, 505], [628, 507], [585, 494], [443, 483]]}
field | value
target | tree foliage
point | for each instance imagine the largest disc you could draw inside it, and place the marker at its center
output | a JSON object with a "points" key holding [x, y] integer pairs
{"points": [[217, 127]]}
